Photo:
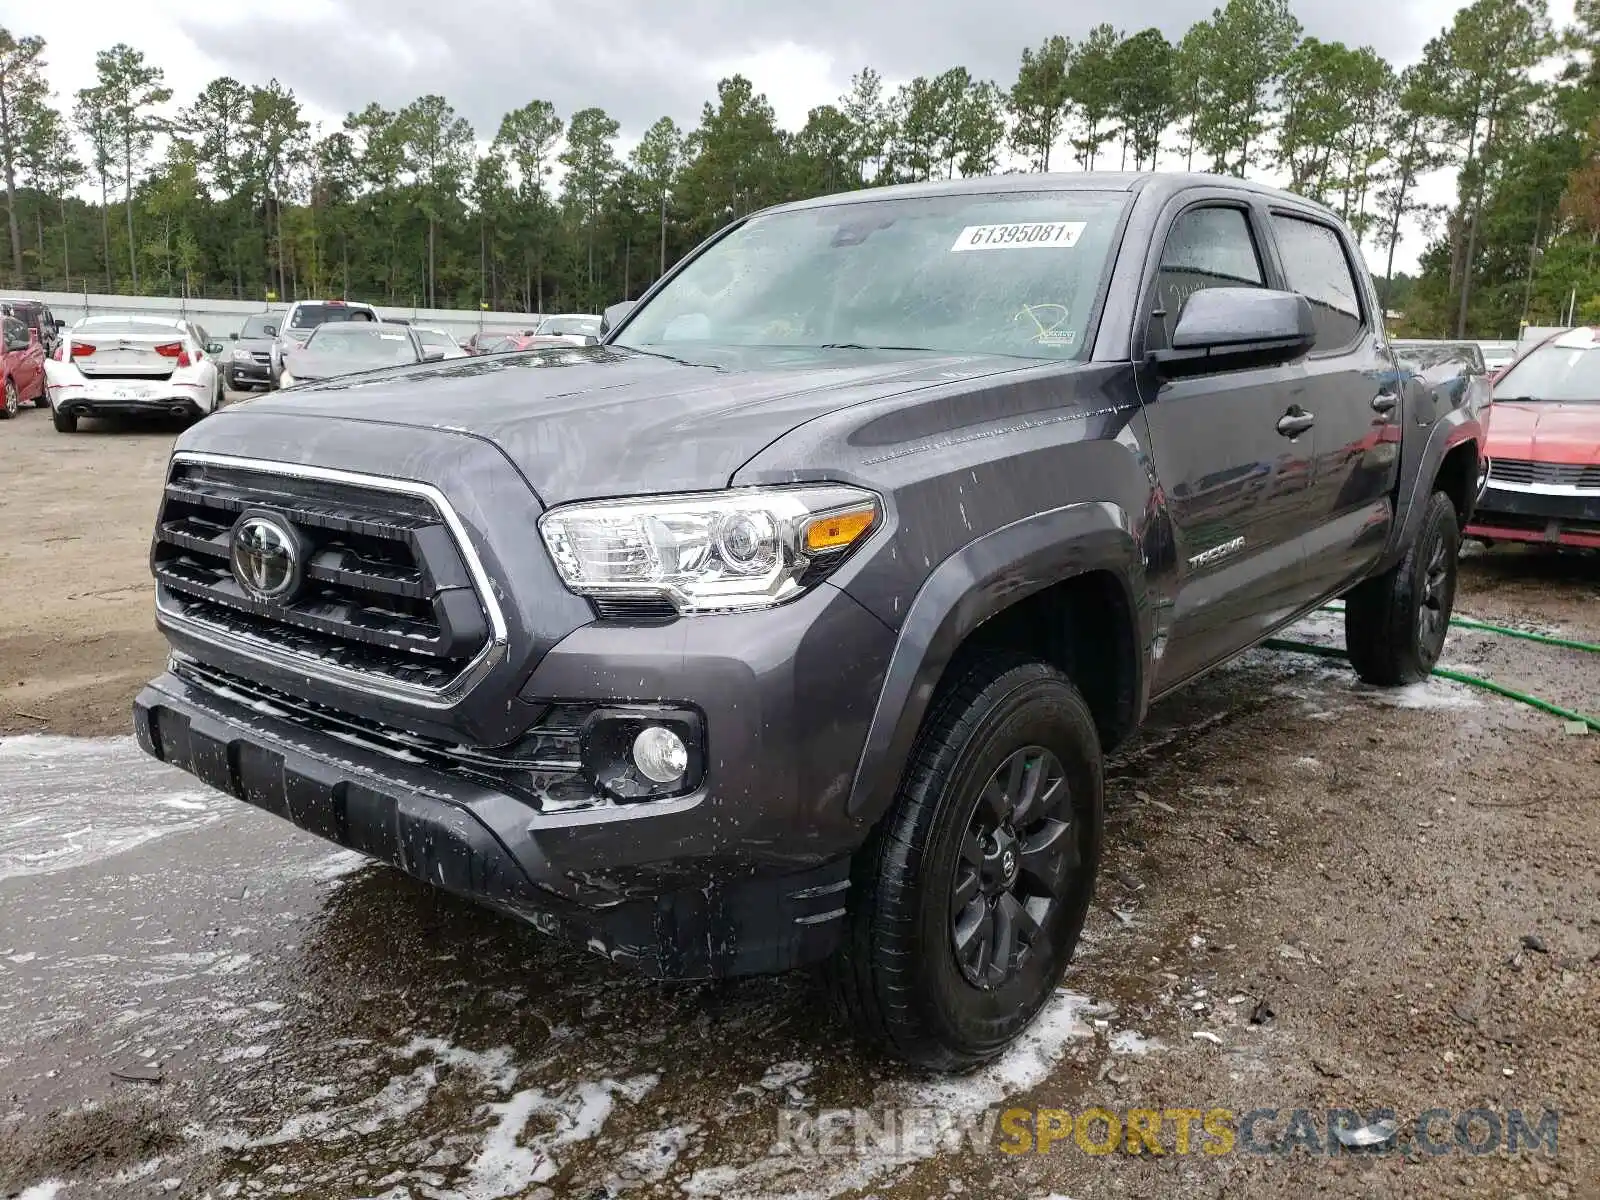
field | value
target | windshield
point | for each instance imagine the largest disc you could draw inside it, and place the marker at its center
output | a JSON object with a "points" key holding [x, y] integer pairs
{"points": [[260, 326], [1007, 273], [570, 326], [309, 316], [372, 345], [1566, 368]]}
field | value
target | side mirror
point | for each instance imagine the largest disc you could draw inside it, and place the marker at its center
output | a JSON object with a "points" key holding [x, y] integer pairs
{"points": [[612, 317], [1230, 329], [233, 337], [432, 355], [213, 347], [270, 330]]}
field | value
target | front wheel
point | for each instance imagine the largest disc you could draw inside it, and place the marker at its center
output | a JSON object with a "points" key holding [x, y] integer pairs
{"points": [[64, 422], [12, 403], [967, 902], [1395, 624]]}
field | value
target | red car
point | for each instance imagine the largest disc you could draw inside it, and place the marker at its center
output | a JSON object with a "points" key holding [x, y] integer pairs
{"points": [[21, 368], [1544, 446]]}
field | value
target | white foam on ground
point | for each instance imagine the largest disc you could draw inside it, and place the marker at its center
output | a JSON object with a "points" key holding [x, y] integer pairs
{"points": [[961, 1100], [48, 1190], [1430, 693], [512, 1159], [70, 802], [1131, 1041], [526, 1129]]}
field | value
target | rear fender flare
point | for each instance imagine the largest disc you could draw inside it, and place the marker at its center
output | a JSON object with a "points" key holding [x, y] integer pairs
{"points": [[1451, 430], [982, 579]]}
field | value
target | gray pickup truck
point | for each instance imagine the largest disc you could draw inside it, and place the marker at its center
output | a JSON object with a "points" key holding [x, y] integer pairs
{"points": [[791, 624]]}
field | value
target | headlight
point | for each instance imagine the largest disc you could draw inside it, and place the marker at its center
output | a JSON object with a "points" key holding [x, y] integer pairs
{"points": [[240, 354], [713, 552]]}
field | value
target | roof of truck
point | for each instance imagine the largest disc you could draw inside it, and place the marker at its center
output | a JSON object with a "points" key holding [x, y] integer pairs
{"points": [[1161, 183]]}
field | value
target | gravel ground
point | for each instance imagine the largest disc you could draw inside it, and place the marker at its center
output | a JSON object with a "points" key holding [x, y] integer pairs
{"points": [[1317, 896]]}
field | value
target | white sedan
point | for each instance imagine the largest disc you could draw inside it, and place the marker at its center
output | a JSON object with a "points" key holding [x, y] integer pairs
{"points": [[132, 366]]}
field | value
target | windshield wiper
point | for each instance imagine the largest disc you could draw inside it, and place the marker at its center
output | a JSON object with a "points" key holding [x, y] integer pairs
{"points": [[860, 346]]}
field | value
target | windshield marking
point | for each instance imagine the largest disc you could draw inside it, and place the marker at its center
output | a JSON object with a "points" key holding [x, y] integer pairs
{"points": [[1022, 235]]}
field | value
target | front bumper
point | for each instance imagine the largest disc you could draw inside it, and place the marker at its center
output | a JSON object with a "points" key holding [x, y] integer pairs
{"points": [[745, 874], [240, 371], [1549, 513]]}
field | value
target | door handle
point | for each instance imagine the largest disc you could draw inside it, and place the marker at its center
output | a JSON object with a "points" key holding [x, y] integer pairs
{"points": [[1385, 402], [1295, 422]]}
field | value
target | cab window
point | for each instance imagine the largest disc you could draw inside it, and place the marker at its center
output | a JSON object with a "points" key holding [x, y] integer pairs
{"points": [[1207, 247]]}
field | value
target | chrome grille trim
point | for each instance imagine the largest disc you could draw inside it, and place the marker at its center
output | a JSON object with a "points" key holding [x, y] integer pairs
{"points": [[367, 682]]}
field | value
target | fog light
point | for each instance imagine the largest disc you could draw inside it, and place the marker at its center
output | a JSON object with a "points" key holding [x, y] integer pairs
{"points": [[660, 754]]}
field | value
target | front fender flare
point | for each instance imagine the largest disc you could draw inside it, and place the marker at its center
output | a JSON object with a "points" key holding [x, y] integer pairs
{"points": [[983, 578]]}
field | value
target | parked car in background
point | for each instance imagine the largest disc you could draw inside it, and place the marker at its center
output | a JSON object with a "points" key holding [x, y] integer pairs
{"points": [[566, 329], [132, 366], [795, 624], [481, 341], [303, 316], [1544, 446], [22, 362], [37, 318], [438, 339], [1456, 367], [1497, 355], [249, 362], [342, 348]]}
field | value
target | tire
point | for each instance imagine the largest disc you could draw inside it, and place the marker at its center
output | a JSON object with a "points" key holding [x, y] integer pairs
{"points": [[64, 422], [898, 977], [1395, 624], [11, 405]]}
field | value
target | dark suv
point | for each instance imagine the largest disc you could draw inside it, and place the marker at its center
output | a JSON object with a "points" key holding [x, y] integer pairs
{"points": [[791, 624]]}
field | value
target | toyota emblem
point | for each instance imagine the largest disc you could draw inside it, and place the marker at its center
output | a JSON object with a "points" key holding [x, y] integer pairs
{"points": [[266, 558]]}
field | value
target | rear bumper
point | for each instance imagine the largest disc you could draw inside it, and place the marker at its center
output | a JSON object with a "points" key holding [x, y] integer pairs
{"points": [[1548, 513], [455, 834], [166, 406]]}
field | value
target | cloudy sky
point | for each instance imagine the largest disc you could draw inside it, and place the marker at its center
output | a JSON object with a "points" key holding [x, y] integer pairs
{"points": [[638, 59]]}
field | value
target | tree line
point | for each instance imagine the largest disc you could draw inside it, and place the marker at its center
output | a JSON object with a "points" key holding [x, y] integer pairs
{"points": [[414, 206]]}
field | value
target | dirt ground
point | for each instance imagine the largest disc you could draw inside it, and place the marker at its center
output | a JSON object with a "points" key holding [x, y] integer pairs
{"points": [[1316, 896]]}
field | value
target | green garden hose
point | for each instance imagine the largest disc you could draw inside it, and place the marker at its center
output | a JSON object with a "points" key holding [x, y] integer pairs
{"points": [[1476, 681], [1470, 623]]}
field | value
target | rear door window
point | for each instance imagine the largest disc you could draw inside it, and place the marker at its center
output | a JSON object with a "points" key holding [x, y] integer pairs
{"points": [[1317, 267]]}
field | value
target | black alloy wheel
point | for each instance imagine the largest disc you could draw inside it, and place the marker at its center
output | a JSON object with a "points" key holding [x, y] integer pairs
{"points": [[1016, 862]]}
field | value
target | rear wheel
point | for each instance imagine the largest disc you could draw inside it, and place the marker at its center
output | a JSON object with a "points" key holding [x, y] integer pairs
{"points": [[1395, 624], [64, 422], [967, 902], [11, 404]]}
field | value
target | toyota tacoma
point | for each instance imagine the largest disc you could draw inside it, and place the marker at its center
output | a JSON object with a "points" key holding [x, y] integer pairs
{"points": [[791, 624]]}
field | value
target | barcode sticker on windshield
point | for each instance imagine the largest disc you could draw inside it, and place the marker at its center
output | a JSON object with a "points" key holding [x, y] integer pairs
{"points": [[1028, 235]]}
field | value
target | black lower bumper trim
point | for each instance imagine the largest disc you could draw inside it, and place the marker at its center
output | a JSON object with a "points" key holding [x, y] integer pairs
{"points": [[756, 924], [170, 407]]}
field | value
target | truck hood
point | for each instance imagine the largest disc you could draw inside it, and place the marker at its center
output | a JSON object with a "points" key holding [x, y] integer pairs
{"points": [[598, 422], [1545, 431]]}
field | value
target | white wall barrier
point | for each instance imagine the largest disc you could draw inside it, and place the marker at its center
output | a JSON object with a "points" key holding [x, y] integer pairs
{"points": [[222, 317]]}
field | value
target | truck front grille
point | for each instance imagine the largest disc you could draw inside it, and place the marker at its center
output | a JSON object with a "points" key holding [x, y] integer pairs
{"points": [[387, 592], [1520, 470]]}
